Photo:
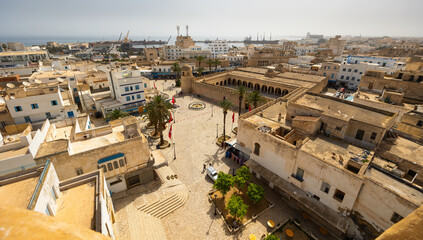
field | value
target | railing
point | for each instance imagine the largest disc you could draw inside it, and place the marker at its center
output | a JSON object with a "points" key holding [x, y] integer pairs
{"points": [[17, 169], [39, 186]]}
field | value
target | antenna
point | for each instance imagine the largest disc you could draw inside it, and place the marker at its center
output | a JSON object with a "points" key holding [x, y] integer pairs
{"points": [[187, 29], [177, 29]]}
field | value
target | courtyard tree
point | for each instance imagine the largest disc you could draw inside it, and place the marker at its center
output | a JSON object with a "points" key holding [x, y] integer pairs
{"points": [[200, 70], [200, 60], [255, 192], [216, 62], [236, 207], [225, 105], [210, 63], [241, 94], [223, 183], [158, 112], [271, 237], [116, 114], [176, 68], [255, 98], [243, 175]]}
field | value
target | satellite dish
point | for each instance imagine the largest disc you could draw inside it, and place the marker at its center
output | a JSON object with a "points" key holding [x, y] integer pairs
{"points": [[10, 85], [26, 84], [38, 81], [60, 80]]}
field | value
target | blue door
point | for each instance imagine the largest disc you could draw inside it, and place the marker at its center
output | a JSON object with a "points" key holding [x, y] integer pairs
{"points": [[70, 114]]}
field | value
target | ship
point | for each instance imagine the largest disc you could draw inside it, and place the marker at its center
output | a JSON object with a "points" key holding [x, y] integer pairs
{"points": [[249, 41]]}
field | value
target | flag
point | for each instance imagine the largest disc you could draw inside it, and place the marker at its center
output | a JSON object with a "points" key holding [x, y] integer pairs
{"points": [[249, 108], [173, 100], [170, 119], [233, 117], [170, 132]]}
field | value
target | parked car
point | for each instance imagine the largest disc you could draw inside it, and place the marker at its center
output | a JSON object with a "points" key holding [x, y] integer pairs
{"points": [[212, 173]]}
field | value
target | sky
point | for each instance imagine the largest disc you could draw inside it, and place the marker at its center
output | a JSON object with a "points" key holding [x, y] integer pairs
{"points": [[217, 18]]}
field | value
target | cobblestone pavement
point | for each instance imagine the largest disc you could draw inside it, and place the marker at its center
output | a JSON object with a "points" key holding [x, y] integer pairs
{"points": [[194, 134]]}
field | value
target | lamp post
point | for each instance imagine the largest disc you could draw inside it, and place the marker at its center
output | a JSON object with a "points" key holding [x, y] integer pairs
{"points": [[212, 110], [217, 130], [215, 205], [174, 152]]}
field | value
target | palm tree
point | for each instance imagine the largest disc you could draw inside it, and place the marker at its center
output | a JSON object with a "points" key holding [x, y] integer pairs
{"points": [[200, 70], [225, 105], [255, 98], [210, 63], [241, 94], [158, 114], [176, 68], [116, 114], [199, 59], [216, 62]]}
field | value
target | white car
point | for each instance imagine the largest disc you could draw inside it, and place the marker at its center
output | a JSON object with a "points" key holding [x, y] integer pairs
{"points": [[212, 173]]}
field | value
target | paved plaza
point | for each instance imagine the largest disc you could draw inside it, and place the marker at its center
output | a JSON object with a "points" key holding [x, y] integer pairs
{"points": [[194, 134]]}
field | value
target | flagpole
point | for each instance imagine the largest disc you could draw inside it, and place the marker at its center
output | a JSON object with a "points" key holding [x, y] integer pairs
{"points": [[174, 149]]}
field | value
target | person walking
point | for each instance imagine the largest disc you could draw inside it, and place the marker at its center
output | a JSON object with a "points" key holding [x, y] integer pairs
{"points": [[204, 167]]}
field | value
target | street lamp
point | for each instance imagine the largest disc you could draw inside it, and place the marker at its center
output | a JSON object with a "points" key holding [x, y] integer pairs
{"points": [[212, 110], [215, 205], [174, 152], [217, 130]]}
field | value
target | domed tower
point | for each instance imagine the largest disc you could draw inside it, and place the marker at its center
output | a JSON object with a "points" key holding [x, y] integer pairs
{"points": [[186, 79]]}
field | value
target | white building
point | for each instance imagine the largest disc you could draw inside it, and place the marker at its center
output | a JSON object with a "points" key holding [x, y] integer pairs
{"points": [[303, 50], [36, 103], [350, 74], [234, 59], [394, 63], [172, 52], [218, 47]]}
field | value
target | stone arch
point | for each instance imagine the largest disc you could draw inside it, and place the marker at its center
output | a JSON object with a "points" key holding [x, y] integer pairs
{"points": [[239, 82], [271, 90], [221, 83], [284, 92], [278, 91], [244, 83], [217, 83], [257, 87], [233, 82], [264, 88], [250, 85], [229, 81]]}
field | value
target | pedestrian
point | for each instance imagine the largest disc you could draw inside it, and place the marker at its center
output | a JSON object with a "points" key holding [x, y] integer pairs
{"points": [[210, 164], [233, 172], [204, 167]]}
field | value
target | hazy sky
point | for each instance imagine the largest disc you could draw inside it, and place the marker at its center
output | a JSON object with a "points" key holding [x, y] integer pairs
{"points": [[219, 18]]}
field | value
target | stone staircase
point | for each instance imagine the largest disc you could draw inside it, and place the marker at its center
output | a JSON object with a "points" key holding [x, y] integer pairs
{"points": [[161, 208]]}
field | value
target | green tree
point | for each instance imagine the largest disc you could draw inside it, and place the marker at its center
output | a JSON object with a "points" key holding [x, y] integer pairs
{"points": [[241, 94], [255, 98], [225, 105], [216, 62], [255, 192], [116, 114], [243, 175], [236, 207], [176, 68], [200, 70], [200, 60], [158, 112], [271, 237], [223, 183], [210, 63]]}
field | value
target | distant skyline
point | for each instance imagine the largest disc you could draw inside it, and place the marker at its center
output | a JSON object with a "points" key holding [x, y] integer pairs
{"points": [[230, 19]]}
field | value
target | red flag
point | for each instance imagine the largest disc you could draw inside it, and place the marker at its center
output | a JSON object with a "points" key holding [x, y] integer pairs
{"points": [[170, 119], [170, 132], [249, 108], [233, 117], [173, 100]]}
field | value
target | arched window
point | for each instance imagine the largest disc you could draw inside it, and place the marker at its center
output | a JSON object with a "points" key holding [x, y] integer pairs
{"points": [[115, 165], [109, 167], [257, 149]]}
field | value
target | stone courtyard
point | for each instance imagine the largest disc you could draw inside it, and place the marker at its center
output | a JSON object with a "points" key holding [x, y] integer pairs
{"points": [[138, 211]]}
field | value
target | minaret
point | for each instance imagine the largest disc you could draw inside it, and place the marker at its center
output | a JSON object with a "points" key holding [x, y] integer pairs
{"points": [[186, 79], [177, 29], [187, 29]]}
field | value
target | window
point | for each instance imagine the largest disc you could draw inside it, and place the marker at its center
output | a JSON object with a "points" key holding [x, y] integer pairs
{"points": [[137, 87], [324, 74], [339, 195], [349, 70], [145, 85], [18, 108], [34, 106], [126, 89], [121, 163], [257, 149], [128, 98], [53, 193], [300, 174], [115, 165], [138, 96], [360, 134], [325, 187], [355, 70], [54, 103], [348, 78], [338, 129], [420, 123], [361, 73], [353, 78], [104, 168], [48, 115], [109, 167], [75, 90], [131, 88], [344, 69], [47, 211], [79, 171], [373, 136], [27, 119], [396, 217], [342, 77], [332, 76]]}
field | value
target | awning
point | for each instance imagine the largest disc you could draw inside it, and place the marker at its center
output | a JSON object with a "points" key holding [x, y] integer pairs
{"points": [[231, 142], [241, 148], [109, 158]]}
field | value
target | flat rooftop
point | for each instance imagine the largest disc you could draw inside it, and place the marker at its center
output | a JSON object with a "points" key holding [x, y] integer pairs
{"points": [[18, 194], [395, 186], [335, 151], [53, 147], [18, 53], [344, 110], [404, 149], [117, 135], [13, 153], [76, 205]]}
